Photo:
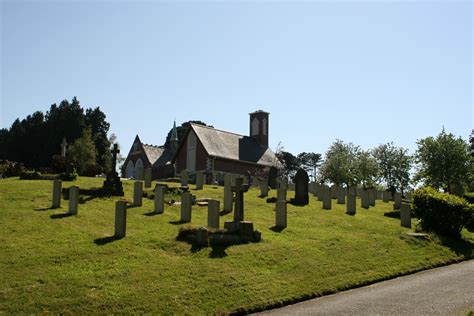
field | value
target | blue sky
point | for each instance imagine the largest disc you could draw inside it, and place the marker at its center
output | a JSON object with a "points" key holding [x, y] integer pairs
{"points": [[364, 72]]}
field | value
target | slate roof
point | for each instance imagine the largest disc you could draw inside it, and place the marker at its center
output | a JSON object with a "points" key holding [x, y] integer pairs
{"points": [[165, 158], [153, 152], [233, 146]]}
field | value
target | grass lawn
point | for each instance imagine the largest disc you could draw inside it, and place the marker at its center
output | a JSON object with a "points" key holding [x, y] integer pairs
{"points": [[58, 264]]}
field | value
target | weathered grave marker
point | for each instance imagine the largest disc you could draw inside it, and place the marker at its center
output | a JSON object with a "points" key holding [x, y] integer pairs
{"points": [[341, 195], [137, 193], [228, 195], [272, 177], [351, 204], [213, 213], [385, 196], [372, 196], [301, 188], [147, 177], [281, 195], [199, 180], [264, 187], [120, 219], [63, 147], [160, 199], [239, 188], [186, 205], [184, 177], [405, 215], [281, 214], [326, 195], [364, 199], [73, 199], [397, 198], [56, 194]]}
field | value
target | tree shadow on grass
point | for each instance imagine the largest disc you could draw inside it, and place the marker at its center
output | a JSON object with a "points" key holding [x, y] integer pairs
{"points": [[62, 215], [277, 229], [459, 246], [105, 240], [83, 200]]}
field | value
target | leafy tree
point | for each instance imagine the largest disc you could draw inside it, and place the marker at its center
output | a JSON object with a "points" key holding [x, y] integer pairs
{"points": [[366, 169], [471, 141], [82, 152], [444, 162], [310, 162], [289, 161], [395, 164], [340, 164], [95, 120]]}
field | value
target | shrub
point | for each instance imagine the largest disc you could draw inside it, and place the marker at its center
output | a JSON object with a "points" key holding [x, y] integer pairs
{"points": [[469, 197], [30, 175], [442, 213], [68, 176], [11, 168]]}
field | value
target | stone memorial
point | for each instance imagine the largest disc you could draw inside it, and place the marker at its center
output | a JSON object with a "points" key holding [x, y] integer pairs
{"points": [[351, 204], [263, 187], [184, 177], [272, 177], [147, 177], [301, 188], [405, 215], [137, 193], [239, 188], [378, 195], [326, 196], [364, 199], [372, 196], [186, 204], [199, 180], [56, 194], [281, 214], [254, 181], [228, 195], [213, 213], [334, 192], [63, 148], [385, 196], [341, 195], [73, 200], [120, 219], [281, 195], [283, 182], [160, 199], [397, 198], [112, 184]]}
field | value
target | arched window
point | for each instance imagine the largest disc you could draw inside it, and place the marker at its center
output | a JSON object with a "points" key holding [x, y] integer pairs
{"points": [[130, 170], [139, 169]]}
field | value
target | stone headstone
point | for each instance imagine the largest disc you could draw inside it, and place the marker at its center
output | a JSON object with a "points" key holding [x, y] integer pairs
{"points": [[159, 199], [263, 187], [385, 196], [186, 203], [184, 177], [364, 199], [378, 195], [334, 192], [281, 195], [292, 186], [372, 196], [239, 188], [283, 182], [137, 193], [199, 180], [254, 181], [213, 214], [326, 196], [301, 187], [272, 177], [147, 177], [73, 199], [112, 184], [397, 198], [312, 188], [405, 215], [63, 147], [228, 195], [56, 194], [351, 204], [341, 195], [359, 192], [120, 219], [281, 214]]}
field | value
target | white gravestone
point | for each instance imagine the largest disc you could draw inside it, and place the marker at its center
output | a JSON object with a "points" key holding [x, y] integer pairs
{"points": [[137, 193], [186, 207], [159, 199], [281, 214], [56, 194], [228, 195], [213, 214]]}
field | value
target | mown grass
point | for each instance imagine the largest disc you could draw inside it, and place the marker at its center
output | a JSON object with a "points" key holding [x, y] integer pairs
{"points": [[50, 263]]}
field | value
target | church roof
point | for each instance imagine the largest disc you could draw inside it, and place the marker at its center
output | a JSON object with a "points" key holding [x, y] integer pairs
{"points": [[233, 146], [153, 152]]}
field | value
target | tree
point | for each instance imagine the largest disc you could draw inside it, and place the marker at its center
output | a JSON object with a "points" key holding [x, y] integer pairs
{"points": [[82, 152], [340, 164], [95, 120], [289, 161], [366, 169], [471, 141], [310, 162], [395, 164], [444, 162]]}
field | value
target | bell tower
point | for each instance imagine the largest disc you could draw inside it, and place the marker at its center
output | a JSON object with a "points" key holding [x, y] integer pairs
{"points": [[259, 126]]}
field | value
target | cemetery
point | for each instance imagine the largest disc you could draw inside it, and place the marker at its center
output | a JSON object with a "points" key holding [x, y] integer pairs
{"points": [[187, 248]]}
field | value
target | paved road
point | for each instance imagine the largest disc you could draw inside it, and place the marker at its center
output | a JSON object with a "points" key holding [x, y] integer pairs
{"points": [[442, 291]]}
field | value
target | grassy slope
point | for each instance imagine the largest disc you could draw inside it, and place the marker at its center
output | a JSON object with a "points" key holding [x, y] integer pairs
{"points": [[53, 264]]}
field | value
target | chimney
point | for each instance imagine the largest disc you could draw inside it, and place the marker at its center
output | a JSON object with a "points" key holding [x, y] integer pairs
{"points": [[259, 126]]}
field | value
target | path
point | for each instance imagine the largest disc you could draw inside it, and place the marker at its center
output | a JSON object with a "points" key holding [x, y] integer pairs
{"points": [[442, 291]]}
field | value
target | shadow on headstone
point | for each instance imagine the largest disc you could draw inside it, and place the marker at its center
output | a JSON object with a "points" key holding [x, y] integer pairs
{"points": [[218, 252], [62, 215], [277, 229], [105, 240]]}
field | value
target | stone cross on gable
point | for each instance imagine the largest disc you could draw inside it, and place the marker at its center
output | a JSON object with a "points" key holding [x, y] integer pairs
{"points": [[239, 188], [115, 151], [63, 147]]}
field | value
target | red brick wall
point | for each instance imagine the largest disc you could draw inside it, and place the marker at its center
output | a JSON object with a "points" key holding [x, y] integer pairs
{"points": [[201, 156]]}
